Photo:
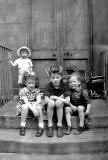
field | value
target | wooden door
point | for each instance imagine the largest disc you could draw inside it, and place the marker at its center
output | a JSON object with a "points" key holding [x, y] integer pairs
{"points": [[75, 29], [59, 34], [45, 36]]}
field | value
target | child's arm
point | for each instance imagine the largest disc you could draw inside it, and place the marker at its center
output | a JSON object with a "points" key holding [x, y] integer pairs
{"points": [[11, 62], [30, 65], [38, 99], [74, 108], [61, 98], [10, 59], [47, 99], [88, 109], [87, 100], [24, 98]]}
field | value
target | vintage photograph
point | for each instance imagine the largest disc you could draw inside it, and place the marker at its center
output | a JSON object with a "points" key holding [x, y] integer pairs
{"points": [[54, 79]]}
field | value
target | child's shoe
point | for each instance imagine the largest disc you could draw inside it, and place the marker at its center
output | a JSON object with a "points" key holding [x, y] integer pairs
{"points": [[68, 131], [87, 121], [22, 131], [80, 130], [87, 117], [59, 132], [49, 132], [39, 132]]}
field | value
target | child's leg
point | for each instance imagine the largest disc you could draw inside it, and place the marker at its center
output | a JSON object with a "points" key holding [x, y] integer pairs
{"points": [[24, 113], [40, 117], [50, 111], [68, 112], [40, 120], [68, 116], [81, 115], [59, 106]]}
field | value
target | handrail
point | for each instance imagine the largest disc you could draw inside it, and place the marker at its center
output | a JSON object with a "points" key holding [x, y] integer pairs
{"points": [[6, 89]]}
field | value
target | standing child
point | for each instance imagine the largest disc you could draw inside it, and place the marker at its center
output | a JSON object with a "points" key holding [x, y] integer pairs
{"points": [[31, 102], [23, 62], [79, 102], [56, 94]]}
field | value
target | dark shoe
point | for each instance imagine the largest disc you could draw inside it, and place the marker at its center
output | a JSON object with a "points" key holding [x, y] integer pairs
{"points": [[79, 131], [49, 132], [68, 131], [87, 118], [87, 121], [59, 132], [39, 132], [22, 131]]}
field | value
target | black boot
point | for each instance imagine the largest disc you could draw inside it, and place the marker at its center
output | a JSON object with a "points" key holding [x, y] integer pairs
{"points": [[68, 131], [39, 132], [22, 131], [80, 130], [59, 132], [49, 132]]}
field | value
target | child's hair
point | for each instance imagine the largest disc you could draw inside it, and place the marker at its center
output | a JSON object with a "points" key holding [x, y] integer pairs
{"points": [[71, 69], [78, 76], [28, 76], [55, 69]]}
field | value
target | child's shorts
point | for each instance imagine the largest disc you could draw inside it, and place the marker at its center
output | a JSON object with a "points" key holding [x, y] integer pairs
{"points": [[74, 113]]}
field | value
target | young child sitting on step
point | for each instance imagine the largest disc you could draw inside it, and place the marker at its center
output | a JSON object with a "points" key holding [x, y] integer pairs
{"points": [[56, 94], [79, 102], [30, 101], [23, 62]]}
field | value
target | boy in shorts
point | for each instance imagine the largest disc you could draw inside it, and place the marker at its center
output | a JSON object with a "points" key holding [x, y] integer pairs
{"points": [[30, 101], [56, 95], [79, 102]]}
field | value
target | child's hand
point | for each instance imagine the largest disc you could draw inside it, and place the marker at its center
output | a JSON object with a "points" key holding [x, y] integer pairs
{"points": [[86, 112], [74, 108], [53, 97], [9, 56]]}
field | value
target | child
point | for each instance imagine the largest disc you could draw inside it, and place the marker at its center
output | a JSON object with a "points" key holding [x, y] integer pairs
{"points": [[56, 94], [31, 102], [79, 102], [23, 62]]}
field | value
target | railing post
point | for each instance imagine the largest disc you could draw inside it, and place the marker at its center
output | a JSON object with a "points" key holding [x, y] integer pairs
{"points": [[6, 89]]}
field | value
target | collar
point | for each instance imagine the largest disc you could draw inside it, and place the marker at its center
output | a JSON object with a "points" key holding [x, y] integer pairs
{"points": [[60, 86]]}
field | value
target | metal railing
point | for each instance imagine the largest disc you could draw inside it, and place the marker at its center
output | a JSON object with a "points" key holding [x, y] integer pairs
{"points": [[6, 89]]}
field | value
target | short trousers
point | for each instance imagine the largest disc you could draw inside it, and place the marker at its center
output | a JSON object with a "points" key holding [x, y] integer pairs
{"points": [[74, 113]]}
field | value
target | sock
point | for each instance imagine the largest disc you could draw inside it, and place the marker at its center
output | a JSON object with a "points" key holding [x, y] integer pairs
{"points": [[23, 124]]}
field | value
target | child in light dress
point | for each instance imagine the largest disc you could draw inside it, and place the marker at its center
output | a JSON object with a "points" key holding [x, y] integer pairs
{"points": [[23, 62]]}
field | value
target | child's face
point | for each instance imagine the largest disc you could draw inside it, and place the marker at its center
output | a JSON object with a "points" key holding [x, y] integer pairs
{"points": [[24, 53], [30, 84], [73, 82], [55, 78]]}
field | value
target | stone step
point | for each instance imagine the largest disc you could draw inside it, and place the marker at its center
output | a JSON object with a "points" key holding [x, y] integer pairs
{"points": [[99, 116], [92, 141], [17, 156], [13, 122]]}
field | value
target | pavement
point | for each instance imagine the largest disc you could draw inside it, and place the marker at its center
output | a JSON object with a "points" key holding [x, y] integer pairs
{"points": [[14, 156]]}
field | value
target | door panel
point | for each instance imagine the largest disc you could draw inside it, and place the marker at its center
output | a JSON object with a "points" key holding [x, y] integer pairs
{"points": [[75, 43], [40, 70], [45, 36]]}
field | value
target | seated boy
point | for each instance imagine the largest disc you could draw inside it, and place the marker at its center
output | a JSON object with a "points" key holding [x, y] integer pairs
{"points": [[79, 102], [56, 94]]}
